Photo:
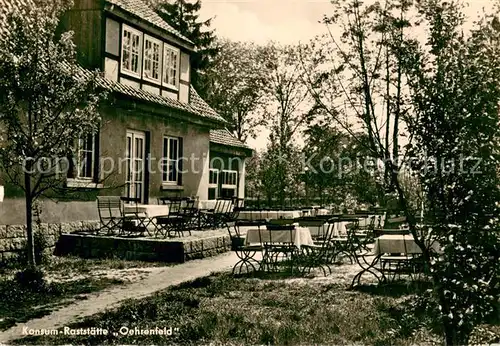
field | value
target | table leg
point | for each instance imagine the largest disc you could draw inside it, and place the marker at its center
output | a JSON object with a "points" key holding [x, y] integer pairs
{"points": [[246, 259], [367, 267]]}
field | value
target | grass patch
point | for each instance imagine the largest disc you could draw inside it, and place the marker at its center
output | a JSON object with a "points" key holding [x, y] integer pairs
{"points": [[221, 309], [20, 304], [67, 279], [71, 265], [84, 265]]}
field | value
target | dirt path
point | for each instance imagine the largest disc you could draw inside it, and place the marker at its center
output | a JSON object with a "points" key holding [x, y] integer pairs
{"points": [[155, 280]]}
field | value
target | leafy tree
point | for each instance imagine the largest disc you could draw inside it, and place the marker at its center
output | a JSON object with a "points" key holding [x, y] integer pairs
{"points": [[389, 81], [323, 154], [237, 78], [46, 101], [288, 108], [279, 173], [253, 186], [183, 15], [456, 125], [339, 166]]}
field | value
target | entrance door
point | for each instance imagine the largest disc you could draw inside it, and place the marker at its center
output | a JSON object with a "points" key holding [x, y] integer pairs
{"points": [[136, 152]]}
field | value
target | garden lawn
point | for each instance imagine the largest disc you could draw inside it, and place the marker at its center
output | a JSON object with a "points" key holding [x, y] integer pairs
{"points": [[66, 280], [221, 309]]}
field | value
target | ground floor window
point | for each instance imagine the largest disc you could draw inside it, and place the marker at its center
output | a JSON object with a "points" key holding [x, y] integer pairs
{"points": [[172, 160], [228, 183], [213, 184], [83, 158]]}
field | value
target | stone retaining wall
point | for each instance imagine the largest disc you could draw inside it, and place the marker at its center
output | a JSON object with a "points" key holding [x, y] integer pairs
{"points": [[142, 249], [13, 237]]}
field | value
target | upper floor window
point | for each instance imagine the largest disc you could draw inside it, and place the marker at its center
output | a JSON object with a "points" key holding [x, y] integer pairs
{"points": [[172, 152], [131, 50], [170, 66], [152, 59]]}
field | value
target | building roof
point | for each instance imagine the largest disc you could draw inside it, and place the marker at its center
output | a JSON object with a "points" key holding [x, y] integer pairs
{"points": [[145, 12], [196, 105], [224, 137]]}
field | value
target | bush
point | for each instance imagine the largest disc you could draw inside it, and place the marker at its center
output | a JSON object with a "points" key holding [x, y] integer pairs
{"points": [[41, 244], [31, 278]]}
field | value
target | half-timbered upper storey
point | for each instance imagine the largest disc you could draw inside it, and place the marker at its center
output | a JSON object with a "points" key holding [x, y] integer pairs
{"points": [[132, 45]]}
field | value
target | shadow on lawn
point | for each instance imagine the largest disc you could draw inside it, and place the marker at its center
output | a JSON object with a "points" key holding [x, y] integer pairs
{"points": [[395, 289], [20, 303]]}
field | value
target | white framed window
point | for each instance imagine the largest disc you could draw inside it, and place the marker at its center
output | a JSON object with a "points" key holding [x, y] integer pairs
{"points": [[213, 183], [85, 159], [171, 158], [171, 58], [152, 59], [228, 181], [131, 51]]}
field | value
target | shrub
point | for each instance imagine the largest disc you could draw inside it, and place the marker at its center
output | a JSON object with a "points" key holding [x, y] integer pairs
{"points": [[31, 278], [41, 245]]}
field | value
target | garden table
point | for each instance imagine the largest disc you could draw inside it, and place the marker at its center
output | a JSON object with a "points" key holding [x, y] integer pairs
{"points": [[207, 204], [279, 244], [389, 244], [268, 214], [299, 236], [150, 210], [400, 243], [145, 214]]}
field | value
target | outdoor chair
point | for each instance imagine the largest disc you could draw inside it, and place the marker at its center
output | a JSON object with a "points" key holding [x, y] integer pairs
{"points": [[395, 265], [135, 220], [190, 213], [253, 222], [345, 242], [110, 213], [213, 218], [245, 253], [318, 222], [360, 238], [320, 255], [277, 251], [178, 218]]}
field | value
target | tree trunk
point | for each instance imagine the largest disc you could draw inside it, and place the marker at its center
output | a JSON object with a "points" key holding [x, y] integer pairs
{"points": [[29, 221], [454, 336]]}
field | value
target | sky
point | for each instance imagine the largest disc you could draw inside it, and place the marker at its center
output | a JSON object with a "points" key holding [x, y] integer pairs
{"points": [[284, 21]]}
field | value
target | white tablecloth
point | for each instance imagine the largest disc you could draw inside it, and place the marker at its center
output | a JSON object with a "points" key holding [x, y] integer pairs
{"points": [[269, 215], [323, 212], [396, 243], [211, 204], [151, 210], [339, 229], [299, 236]]}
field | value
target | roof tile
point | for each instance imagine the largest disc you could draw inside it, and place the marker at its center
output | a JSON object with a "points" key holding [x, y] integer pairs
{"points": [[144, 11], [196, 106], [224, 137]]}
